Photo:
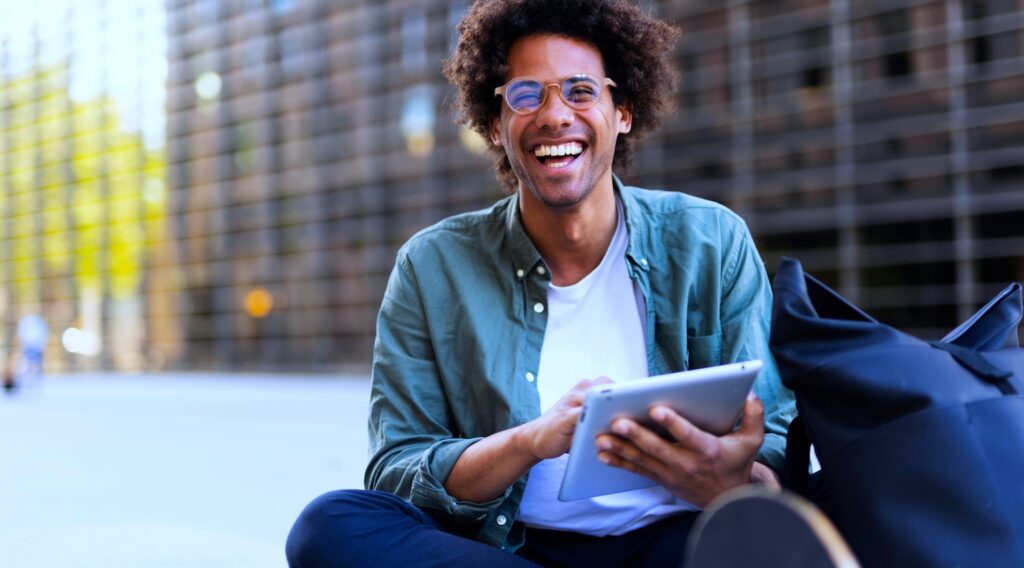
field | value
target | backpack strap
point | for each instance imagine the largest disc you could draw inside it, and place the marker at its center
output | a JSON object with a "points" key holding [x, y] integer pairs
{"points": [[796, 470], [976, 363]]}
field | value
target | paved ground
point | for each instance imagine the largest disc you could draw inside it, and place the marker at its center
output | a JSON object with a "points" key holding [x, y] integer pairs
{"points": [[170, 470]]}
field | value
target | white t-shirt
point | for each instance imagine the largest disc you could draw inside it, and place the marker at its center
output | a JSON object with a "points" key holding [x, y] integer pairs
{"points": [[593, 330]]}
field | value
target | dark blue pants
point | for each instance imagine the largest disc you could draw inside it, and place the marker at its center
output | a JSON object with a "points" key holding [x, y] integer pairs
{"points": [[376, 529]]}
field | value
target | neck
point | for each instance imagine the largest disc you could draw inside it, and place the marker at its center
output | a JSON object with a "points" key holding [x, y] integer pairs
{"points": [[572, 240]]}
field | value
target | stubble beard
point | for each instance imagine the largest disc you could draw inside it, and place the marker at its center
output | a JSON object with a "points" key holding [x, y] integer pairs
{"points": [[565, 200]]}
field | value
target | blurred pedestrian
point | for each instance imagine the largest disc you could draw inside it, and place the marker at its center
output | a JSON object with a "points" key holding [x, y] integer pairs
{"points": [[33, 334], [9, 384]]}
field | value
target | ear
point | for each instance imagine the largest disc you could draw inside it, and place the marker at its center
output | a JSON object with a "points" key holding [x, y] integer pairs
{"points": [[624, 118], [496, 131]]}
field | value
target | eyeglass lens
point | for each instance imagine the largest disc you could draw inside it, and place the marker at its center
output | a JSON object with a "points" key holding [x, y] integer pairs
{"points": [[578, 91]]}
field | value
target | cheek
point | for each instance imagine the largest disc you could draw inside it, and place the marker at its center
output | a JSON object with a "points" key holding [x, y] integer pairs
{"points": [[610, 119], [510, 135], [503, 129]]}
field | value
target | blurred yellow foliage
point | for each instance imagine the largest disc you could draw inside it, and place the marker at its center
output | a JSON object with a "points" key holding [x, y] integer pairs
{"points": [[75, 176]]}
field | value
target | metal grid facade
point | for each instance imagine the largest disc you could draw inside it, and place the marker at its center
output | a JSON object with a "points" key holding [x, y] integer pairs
{"points": [[322, 153], [880, 142]]}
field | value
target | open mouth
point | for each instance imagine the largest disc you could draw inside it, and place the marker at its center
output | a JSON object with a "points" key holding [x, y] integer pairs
{"points": [[558, 155]]}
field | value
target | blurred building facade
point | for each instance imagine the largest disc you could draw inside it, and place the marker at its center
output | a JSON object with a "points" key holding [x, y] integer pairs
{"points": [[300, 142], [313, 150], [880, 142]]}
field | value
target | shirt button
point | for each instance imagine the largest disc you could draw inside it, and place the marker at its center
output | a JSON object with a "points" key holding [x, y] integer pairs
{"points": [[541, 270], [502, 519], [530, 377], [538, 307], [520, 273], [643, 261]]}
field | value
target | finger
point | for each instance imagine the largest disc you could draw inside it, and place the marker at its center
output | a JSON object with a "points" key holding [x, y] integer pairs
{"points": [[686, 434], [616, 460], [762, 474], [752, 426], [578, 392], [574, 398], [644, 439], [567, 421], [576, 395], [582, 385], [626, 450]]}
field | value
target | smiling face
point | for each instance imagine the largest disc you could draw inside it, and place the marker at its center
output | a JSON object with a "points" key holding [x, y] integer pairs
{"points": [[559, 154]]}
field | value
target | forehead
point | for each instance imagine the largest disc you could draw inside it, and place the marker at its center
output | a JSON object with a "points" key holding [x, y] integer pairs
{"points": [[553, 57]]}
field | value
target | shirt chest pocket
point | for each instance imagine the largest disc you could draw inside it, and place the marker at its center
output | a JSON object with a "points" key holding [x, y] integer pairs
{"points": [[703, 351]]}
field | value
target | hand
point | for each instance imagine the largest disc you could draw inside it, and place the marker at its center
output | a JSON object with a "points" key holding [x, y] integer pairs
{"points": [[696, 467], [550, 435]]}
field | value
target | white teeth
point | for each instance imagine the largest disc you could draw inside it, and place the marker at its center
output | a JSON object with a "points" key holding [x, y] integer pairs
{"points": [[569, 149]]}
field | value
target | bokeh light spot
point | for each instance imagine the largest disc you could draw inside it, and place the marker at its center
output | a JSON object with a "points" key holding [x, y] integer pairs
{"points": [[258, 302], [208, 85]]}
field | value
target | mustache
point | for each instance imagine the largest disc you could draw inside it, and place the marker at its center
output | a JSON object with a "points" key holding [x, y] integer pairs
{"points": [[552, 135]]}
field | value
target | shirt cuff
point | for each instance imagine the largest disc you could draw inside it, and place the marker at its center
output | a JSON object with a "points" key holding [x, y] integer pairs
{"points": [[428, 490]]}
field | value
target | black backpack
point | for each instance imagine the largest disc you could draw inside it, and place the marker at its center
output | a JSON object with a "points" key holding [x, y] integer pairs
{"points": [[921, 444]]}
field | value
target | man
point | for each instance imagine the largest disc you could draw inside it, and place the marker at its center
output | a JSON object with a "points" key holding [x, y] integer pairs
{"points": [[495, 322]]}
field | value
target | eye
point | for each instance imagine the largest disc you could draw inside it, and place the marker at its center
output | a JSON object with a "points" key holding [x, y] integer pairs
{"points": [[582, 93], [525, 99], [582, 90], [524, 94]]}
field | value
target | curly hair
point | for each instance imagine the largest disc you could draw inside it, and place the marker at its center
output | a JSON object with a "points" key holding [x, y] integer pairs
{"points": [[635, 47]]}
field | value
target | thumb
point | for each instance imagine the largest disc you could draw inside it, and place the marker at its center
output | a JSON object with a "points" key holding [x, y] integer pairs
{"points": [[752, 425]]}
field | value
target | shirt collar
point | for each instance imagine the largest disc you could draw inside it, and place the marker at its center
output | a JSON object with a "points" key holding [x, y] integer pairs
{"points": [[525, 256], [636, 225]]}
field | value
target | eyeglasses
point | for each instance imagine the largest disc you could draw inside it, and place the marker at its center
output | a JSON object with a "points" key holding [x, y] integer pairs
{"points": [[525, 95]]}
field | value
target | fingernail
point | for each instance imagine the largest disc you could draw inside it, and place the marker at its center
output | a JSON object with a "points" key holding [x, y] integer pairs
{"points": [[604, 459], [659, 413], [620, 427], [604, 444]]}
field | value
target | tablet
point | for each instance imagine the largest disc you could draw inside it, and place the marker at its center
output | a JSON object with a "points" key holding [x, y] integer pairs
{"points": [[711, 398]]}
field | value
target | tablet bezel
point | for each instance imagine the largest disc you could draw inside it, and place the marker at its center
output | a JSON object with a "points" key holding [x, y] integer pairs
{"points": [[711, 398]]}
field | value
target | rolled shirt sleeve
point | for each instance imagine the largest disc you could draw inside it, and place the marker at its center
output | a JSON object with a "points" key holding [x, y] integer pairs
{"points": [[413, 443]]}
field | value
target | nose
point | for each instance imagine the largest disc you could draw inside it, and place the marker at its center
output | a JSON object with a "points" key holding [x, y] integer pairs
{"points": [[554, 112]]}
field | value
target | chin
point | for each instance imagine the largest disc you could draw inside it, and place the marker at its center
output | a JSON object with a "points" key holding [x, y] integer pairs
{"points": [[554, 193], [561, 198]]}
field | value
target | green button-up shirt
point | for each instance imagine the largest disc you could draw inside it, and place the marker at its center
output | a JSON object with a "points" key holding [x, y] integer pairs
{"points": [[462, 323]]}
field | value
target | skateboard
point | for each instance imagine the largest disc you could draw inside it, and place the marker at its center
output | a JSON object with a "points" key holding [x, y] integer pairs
{"points": [[754, 527]]}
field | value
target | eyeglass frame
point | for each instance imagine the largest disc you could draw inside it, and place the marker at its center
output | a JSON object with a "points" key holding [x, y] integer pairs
{"points": [[500, 91]]}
